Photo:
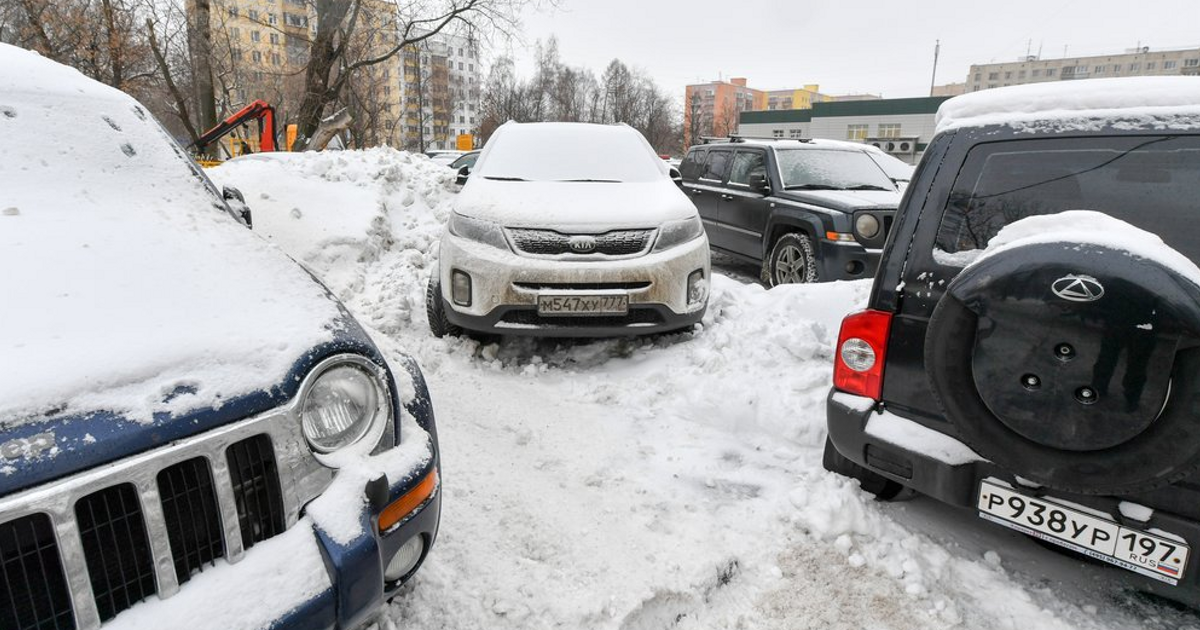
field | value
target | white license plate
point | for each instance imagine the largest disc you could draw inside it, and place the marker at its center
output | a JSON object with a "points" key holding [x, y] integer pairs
{"points": [[1154, 556], [567, 305]]}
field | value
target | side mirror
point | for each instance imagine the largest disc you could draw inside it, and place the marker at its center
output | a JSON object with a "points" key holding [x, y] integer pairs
{"points": [[463, 174], [237, 203], [676, 176], [759, 183]]}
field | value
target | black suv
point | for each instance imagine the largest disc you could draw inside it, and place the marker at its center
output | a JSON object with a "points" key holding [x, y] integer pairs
{"points": [[1034, 362], [805, 210]]}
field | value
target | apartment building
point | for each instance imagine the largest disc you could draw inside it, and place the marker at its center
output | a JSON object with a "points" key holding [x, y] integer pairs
{"points": [[1134, 62], [442, 92], [712, 109], [802, 98]]}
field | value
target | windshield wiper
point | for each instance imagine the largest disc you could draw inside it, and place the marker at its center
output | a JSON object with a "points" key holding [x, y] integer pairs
{"points": [[813, 187], [598, 181], [867, 187], [506, 179]]}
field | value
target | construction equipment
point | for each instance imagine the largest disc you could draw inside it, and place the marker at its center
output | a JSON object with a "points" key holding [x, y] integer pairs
{"points": [[258, 110]]}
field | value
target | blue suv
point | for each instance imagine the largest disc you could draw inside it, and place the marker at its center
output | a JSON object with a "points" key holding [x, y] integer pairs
{"points": [[193, 431]]}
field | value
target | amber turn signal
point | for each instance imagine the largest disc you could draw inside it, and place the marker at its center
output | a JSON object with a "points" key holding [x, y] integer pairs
{"points": [[402, 507]]}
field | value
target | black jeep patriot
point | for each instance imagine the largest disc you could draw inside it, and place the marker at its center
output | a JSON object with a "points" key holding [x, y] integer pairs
{"points": [[805, 210], [1031, 348]]}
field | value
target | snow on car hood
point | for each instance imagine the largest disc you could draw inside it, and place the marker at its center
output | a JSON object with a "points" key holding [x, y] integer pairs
{"points": [[128, 289], [845, 200], [591, 206]]}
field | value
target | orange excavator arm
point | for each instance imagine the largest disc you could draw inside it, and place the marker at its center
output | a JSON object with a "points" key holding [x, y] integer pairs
{"points": [[258, 110]]}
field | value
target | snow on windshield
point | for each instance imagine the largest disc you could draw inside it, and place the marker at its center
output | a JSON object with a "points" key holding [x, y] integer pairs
{"points": [[127, 286], [1161, 102], [552, 152], [830, 169]]}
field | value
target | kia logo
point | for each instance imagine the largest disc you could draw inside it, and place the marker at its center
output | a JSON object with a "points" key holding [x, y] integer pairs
{"points": [[582, 244], [1078, 288]]}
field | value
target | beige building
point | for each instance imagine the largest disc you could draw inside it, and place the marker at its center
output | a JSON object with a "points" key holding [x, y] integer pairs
{"points": [[949, 89], [1134, 62]]}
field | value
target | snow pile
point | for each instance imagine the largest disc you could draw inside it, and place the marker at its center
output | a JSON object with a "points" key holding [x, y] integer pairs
{"points": [[127, 287], [1134, 102], [665, 482]]}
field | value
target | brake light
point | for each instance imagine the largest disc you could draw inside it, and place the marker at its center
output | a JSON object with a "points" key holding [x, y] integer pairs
{"points": [[861, 350]]}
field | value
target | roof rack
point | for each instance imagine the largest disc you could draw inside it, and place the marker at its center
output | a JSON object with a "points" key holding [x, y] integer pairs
{"points": [[737, 138]]}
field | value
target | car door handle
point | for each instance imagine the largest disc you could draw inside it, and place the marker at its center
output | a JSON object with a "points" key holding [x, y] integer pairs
{"points": [[727, 197], [697, 192]]}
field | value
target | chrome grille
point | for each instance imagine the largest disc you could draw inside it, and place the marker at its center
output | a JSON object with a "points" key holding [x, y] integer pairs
{"points": [[142, 506], [33, 589], [193, 519], [116, 548], [552, 243]]}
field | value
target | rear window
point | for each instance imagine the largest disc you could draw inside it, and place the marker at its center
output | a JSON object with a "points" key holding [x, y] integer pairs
{"points": [[1150, 182]]}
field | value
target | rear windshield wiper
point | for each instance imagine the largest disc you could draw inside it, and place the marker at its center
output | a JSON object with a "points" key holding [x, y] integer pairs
{"points": [[506, 179], [813, 187], [867, 187]]}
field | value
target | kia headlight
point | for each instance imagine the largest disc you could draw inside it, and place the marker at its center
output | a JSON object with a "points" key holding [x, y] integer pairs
{"points": [[679, 232], [477, 230], [347, 405]]}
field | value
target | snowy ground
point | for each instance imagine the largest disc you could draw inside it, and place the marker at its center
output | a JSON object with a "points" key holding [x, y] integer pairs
{"points": [[672, 482]]}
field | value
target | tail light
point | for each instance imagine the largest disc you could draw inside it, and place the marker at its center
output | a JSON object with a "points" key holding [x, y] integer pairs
{"points": [[861, 350]]}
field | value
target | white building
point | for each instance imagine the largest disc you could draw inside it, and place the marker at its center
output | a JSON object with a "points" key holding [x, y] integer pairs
{"points": [[441, 90], [1135, 62], [901, 126]]}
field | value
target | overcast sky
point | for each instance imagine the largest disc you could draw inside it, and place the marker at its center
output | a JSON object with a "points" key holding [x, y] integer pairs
{"points": [[846, 46]]}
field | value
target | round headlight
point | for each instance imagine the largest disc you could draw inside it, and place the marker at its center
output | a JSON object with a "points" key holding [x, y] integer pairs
{"points": [[867, 225], [340, 407]]}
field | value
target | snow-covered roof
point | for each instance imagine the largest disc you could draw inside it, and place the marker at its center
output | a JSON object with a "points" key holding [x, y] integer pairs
{"points": [[1134, 102], [127, 287]]}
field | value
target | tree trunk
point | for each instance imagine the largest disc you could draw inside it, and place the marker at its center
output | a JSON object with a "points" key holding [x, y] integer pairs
{"points": [[116, 60], [328, 129], [200, 49]]}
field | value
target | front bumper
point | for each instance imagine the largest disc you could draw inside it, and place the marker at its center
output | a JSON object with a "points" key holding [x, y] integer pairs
{"points": [[847, 261], [938, 465], [505, 288]]}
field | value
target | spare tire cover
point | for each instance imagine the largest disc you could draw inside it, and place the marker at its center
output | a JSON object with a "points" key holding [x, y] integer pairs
{"points": [[1075, 366]]}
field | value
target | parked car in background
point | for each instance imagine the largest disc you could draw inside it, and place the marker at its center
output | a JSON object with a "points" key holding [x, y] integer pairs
{"points": [[569, 229], [466, 160], [180, 397], [1030, 348], [803, 210], [443, 157]]}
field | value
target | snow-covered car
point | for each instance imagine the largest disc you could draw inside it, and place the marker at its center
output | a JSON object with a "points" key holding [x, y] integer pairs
{"points": [[569, 229], [443, 157], [1031, 348], [193, 431]]}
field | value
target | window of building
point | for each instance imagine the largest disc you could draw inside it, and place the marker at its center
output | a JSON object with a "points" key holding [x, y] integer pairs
{"points": [[1098, 69], [794, 134], [1021, 74], [387, 90], [856, 132], [992, 85], [253, 14], [978, 76], [1050, 72], [255, 36], [1150, 65], [1191, 63], [993, 76], [1169, 65], [1036, 73], [233, 11], [274, 38], [291, 19], [1134, 67], [235, 54], [237, 33], [778, 133], [256, 56], [276, 59], [272, 19], [1007, 76], [889, 130]]}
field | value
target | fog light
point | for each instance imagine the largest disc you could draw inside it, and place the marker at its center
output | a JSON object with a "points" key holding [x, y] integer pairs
{"points": [[697, 288], [405, 560], [460, 288]]}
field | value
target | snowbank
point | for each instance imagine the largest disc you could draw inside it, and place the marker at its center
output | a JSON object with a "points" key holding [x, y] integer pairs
{"points": [[1152, 102]]}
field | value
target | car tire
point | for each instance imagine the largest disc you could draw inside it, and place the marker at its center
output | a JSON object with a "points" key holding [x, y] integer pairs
{"points": [[881, 487], [793, 260], [1001, 321], [435, 308]]}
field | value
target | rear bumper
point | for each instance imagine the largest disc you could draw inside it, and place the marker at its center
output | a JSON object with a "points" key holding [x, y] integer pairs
{"points": [[937, 465]]}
